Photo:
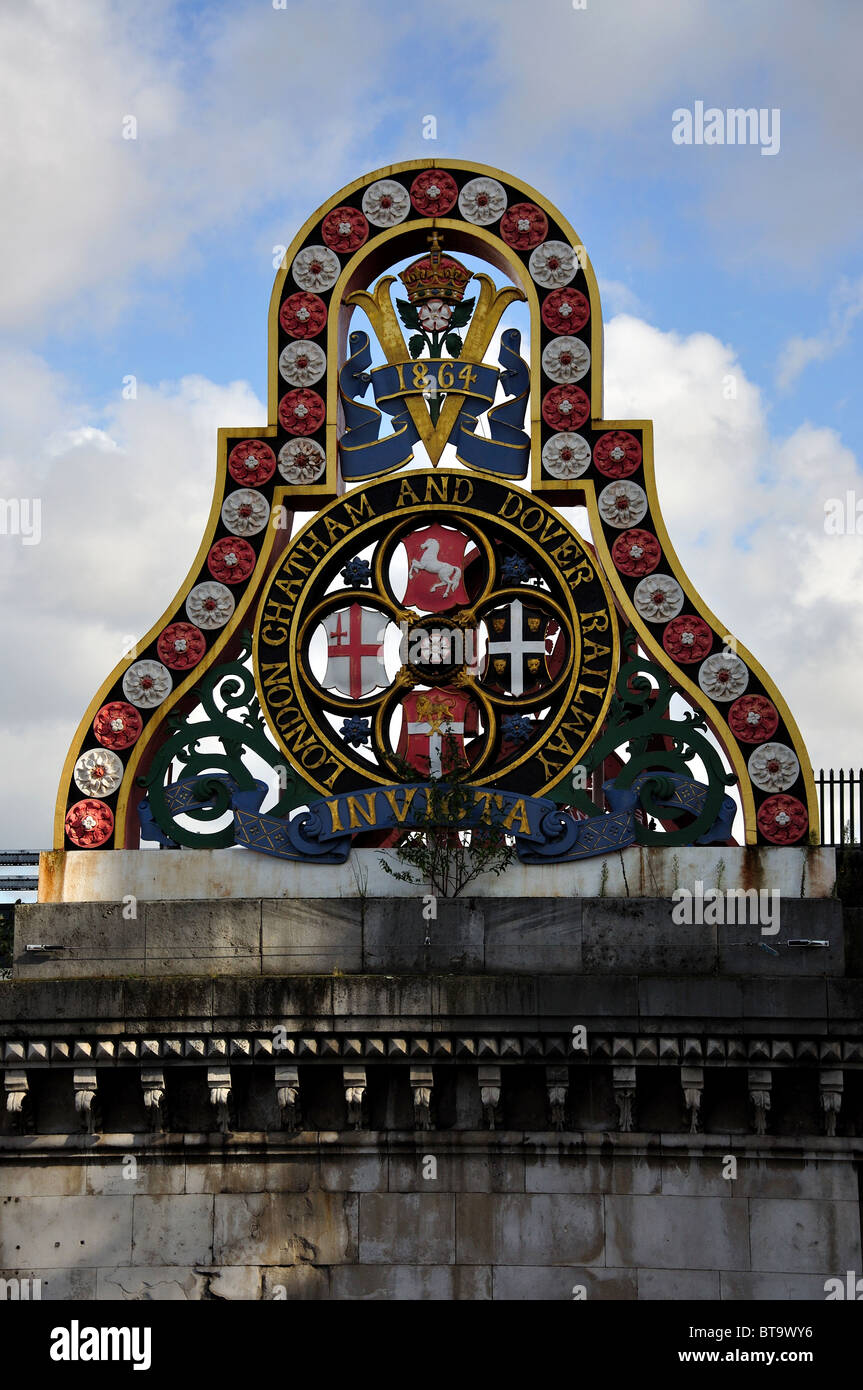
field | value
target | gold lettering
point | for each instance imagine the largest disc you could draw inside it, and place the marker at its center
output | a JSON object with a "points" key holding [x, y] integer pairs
{"points": [[310, 543], [591, 690], [357, 510], [462, 490], [337, 772], [331, 528], [286, 694], [278, 668], [277, 612], [531, 511], [333, 808], [600, 625], [519, 810], [269, 635], [438, 485], [511, 497], [597, 650], [583, 572], [546, 529], [355, 810], [410, 793], [407, 495]]}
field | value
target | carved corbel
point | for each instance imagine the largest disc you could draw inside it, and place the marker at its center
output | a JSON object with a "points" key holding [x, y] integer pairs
{"points": [[17, 1097], [219, 1084], [489, 1089], [692, 1081], [85, 1084], [288, 1096], [422, 1080], [760, 1085], [355, 1094], [832, 1083], [557, 1086], [623, 1081], [153, 1084]]}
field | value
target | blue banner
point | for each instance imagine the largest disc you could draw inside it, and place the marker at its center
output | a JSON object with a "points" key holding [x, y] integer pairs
{"points": [[362, 453], [508, 450], [543, 833]]}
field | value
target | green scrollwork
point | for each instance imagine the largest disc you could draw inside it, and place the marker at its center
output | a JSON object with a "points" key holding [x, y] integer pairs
{"points": [[229, 712], [656, 745]]}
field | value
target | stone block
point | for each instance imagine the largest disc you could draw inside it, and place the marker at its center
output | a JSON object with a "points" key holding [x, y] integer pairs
{"points": [[394, 933], [407, 1228], [382, 1001], [54, 1285], [829, 1180], [173, 1230], [296, 1003], [296, 1283], [507, 1001], [579, 1172], [685, 1175], [60, 1232], [575, 998], [147, 1175], [53, 1000], [562, 1283], [635, 935], [804, 1236], [202, 937], [315, 936], [677, 1285], [501, 1170], [543, 935], [736, 1286], [354, 1172], [94, 935], [411, 1283], [284, 1174], [677, 1232], [513, 1229], [789, 998], [151, 1283], [38, 1179], [797, 918], [692, 999], [272, 1228]]}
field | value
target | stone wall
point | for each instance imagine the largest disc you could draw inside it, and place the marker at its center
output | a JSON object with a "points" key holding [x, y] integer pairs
{"points": [[522, 1099], [522, 1216]]}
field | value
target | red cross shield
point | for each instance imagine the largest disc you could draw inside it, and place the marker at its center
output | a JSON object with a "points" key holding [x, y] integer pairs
{"points": [[436, 564], [355, 651], [433, 729]]}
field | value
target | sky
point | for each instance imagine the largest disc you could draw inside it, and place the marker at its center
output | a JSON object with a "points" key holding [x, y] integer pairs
{"points": [[731, 282]]}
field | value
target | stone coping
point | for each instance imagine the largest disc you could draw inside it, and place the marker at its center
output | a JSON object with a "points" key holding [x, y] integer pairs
{"points": [[648, 1143], [176, 875]]}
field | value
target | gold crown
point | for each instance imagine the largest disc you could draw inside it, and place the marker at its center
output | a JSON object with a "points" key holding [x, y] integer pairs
{"points": [[436, 276]]}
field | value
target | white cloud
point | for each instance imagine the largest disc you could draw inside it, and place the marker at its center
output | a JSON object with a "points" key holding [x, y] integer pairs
{"points": [[256, 107], [120, 528], [745, 513]]}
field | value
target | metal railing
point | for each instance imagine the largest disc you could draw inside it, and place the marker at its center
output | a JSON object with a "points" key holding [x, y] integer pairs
{"points": [[18, 883], [840, 805]]}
